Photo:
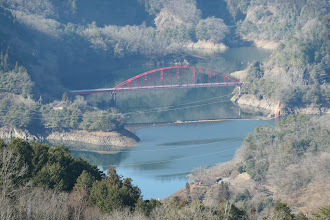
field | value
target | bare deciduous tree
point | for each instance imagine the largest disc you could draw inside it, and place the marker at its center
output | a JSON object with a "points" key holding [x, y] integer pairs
{"points": [[10, 171], [78, 200]]}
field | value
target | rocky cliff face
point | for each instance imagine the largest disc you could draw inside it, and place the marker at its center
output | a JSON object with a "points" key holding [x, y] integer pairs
{"points": [[123, 138], [11, 133], [249, 103]]}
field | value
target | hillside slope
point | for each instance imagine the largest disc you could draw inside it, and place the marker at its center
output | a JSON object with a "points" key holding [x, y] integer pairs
{"points": [[288, 163]]}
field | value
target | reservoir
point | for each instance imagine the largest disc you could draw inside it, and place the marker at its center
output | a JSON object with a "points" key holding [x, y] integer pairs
{"points": [[166, 153], [159, 164]]}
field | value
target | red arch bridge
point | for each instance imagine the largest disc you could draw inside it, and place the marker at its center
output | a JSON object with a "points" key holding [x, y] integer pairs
{"points": [[173, 77]]}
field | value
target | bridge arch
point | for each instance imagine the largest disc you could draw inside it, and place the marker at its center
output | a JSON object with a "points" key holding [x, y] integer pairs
{"points": [[202, 72], [170, 78]]}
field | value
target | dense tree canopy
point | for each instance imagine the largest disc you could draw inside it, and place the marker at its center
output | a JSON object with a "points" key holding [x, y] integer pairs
{"points": [[50, 167]]}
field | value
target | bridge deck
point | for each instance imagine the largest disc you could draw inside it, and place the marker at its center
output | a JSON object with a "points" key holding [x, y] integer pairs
{"points": [[156, 87]]}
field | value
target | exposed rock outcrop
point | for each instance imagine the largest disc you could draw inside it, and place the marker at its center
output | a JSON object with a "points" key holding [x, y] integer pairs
{"points": [[250, 103], [241, 75], [261, 43], [203, 44], [122, 138], [11, 133]]}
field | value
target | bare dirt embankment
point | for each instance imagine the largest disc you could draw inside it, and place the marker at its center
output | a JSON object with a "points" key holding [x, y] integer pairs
{"points": [[203, 44], [266, 44], [122, 138]]}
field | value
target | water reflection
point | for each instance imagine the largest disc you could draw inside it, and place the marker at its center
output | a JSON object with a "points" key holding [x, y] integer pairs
{"points": [[160, 162], [199, 142], [179, 104]]}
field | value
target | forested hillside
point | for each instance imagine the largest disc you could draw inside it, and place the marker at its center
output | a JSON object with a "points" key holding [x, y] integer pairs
{"points": [[54, 39], [279, 173], [45, 44], [288, 163], [297, 73]]}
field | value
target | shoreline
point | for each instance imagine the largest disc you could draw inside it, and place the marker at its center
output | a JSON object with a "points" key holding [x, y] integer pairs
{"points": [[148, 125], [83, 139], [99, 142], [122, 138]]}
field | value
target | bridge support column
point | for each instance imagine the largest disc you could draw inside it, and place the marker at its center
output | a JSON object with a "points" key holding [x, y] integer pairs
{"points": [[113, 100]]}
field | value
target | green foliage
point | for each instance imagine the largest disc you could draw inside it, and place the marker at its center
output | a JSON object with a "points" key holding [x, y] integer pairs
{"points": [[85, 181], [152, 6], [15, 113], [237, 8], [181, 33], [112, 192], [256, 84], [242, 196], [40, 156], [146, 206], [2, 144], [266, 203], [15, 81], [212, 29], [301, 216], [322, 214], [51, 175], [291, 119], [256, 169], [102, 120], [25, 113], [282, 211], [288, 16], [301, 72], [287, 156], [61, 170], [177, 203], [186, 10], [68, 115], [50, 167], [303, 95], [62, 118], [226, 210], [24, 149], [256, 70]]}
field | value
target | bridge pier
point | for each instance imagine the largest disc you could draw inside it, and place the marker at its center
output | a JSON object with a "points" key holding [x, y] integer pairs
{"points": [[113, 99]]}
